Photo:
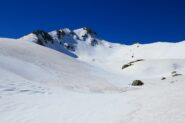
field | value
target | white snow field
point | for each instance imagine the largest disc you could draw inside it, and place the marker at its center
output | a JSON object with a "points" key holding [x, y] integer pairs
{"points": [[41, 85]]}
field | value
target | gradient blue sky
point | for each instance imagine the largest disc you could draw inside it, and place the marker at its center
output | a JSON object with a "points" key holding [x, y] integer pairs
{"points": [[123, 21]]}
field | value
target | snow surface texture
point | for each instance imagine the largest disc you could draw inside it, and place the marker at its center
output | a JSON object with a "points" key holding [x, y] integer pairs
{"points": [[76, 77]]}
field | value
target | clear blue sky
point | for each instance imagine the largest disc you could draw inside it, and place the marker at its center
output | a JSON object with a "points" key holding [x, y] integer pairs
{"points": [[123, 21]]}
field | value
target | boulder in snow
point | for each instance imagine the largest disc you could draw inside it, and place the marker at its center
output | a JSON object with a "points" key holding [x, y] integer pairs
{"points": [[137, 83]]}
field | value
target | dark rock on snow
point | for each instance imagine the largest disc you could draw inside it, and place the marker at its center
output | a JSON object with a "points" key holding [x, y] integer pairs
{"points": [[137, 83]]}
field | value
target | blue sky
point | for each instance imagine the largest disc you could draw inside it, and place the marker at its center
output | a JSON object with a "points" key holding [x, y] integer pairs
{"points": [[123, 21]]}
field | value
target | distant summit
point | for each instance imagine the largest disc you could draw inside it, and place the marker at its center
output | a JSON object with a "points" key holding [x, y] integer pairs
{"points": [[65, 40]]}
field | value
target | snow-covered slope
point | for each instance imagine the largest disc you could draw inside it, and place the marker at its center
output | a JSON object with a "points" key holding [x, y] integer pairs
{"points": [[74, 76], [36, 63]]}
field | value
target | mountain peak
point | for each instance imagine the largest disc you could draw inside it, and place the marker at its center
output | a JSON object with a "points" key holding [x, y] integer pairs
{"points": [[85, 31], [65, 40], [89, 30]]}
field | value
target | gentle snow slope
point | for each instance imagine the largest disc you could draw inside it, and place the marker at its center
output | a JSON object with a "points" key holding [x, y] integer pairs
{"points": [[41, 85]]}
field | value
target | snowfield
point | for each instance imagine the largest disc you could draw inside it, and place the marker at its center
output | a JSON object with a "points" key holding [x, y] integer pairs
{"points": [[41, 84]]}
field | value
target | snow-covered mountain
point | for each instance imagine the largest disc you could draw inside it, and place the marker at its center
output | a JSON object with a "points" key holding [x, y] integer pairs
{"points": [[85, 45], [74, 76]]}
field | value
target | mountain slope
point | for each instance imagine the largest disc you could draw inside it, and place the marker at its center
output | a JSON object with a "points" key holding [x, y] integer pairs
{"points": [[36, 63], [56, 82]]}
